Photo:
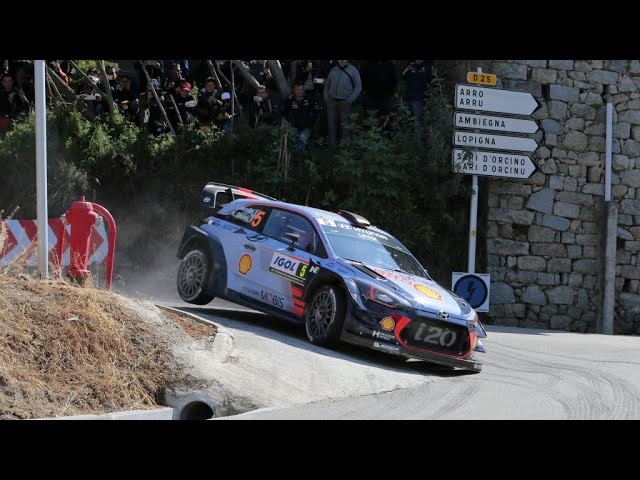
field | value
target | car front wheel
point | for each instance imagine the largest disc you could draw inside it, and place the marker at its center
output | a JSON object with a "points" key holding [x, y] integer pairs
{"points": [[325, 315], [192, 277]]}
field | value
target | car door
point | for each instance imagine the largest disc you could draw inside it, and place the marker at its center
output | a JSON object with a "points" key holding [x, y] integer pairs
{"points": [[240, 239], [291, 242]]}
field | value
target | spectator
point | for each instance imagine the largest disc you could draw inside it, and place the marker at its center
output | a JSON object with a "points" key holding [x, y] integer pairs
{"points": [[223, 119], [209, 106], [55, 66], [13, 102], [112, 75], [301, 111], [186, 104], [23, 82], [168, 66], [342, 88], [418, 76], [91, 97], [126, 98], [174, 78], [378, 85], [262, 109], [151, 115]]}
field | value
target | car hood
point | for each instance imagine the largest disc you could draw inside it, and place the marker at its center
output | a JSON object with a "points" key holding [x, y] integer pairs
{"points": [[424, 294]]}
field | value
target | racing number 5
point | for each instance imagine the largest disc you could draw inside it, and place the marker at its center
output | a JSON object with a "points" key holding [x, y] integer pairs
{"points": [[258, 218]]}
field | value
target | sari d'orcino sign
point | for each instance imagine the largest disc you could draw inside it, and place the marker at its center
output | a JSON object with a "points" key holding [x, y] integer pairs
{"points": [[481, 99], [493, 164]]}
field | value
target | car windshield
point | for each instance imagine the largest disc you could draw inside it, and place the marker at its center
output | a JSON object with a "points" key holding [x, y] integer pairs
{"points": [[371, 248]]}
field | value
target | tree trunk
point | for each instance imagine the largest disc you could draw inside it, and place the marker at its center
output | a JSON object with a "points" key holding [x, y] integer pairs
{"points": [[278, 75], [67, 92], [105, 81], [155, 95], [215, 72], [84, 75], [244, 71]]}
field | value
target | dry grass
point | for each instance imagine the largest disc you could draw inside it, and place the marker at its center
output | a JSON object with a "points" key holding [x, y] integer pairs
{"points": [[66, 350]]}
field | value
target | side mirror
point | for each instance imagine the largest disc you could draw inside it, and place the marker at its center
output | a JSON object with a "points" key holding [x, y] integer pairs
{"points": [[293, 237]]}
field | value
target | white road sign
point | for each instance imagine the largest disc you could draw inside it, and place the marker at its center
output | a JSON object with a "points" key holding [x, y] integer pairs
{"points": [[463, 138], [471, 97], [500, 124], [493, 164]]}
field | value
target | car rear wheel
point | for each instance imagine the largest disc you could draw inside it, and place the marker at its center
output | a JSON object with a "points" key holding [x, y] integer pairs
{"points": [[325, 315], [192, 277]]}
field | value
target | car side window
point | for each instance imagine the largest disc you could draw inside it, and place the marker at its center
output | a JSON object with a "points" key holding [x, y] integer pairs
{"points": [[253, 217], [286, 226]]}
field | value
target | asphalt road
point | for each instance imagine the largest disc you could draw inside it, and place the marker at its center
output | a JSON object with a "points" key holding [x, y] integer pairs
{"points": [[528, 374]]}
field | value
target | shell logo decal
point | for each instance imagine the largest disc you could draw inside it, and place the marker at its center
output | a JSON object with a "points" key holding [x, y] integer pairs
{"points": [[245, 263], [388, 324], [429, 292]]}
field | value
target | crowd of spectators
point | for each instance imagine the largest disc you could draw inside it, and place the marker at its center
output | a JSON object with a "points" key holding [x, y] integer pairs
{"points": [[166, 95]]}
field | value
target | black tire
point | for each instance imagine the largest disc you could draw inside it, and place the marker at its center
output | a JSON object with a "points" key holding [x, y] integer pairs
{"points": [[192, 277], [325, 315]]}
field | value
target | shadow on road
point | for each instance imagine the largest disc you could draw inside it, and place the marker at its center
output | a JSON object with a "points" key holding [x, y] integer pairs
{"points": [[295, 336]]}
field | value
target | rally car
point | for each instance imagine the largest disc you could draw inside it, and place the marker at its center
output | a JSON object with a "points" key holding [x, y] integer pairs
{"points": [[334, 272]]}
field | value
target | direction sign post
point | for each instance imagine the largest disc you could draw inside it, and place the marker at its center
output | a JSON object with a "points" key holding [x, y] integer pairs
{"points": [[498, 124], [493, 164], [473, 99], [498, 142], [482, 99]]}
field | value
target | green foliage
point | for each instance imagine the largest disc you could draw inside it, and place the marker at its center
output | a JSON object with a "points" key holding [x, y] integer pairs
{"points": [[401, 180]]}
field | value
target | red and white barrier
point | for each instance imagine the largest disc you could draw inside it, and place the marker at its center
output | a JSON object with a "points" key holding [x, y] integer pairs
{"points": [[21, 234]]}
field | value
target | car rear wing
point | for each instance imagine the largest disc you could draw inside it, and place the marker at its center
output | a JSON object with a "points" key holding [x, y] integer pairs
{"points": [[217, 195]]}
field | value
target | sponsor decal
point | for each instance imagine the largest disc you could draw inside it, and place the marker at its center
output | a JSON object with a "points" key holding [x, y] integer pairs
{"points": [[393, 275], [326, 221], [314, 270], [429, 292], [435, 335], [288, 267], [245, 263], [383, 336], [388, 324], [252, 216], [272, 299], [256, 238], [251, 291], [384, 346]]}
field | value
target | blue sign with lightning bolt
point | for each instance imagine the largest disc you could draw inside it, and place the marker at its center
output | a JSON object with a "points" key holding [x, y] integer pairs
{"points": [[473, 289]]}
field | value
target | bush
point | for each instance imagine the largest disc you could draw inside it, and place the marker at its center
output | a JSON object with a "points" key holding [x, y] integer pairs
{"points": [[400, 179]]}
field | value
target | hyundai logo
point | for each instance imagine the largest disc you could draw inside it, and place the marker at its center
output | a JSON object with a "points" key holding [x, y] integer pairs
{"points": [[442, 314]]}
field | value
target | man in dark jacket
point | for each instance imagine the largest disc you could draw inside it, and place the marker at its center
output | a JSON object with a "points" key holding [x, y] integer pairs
{"points": [[378, 85], [301, 111], [418, 76]]}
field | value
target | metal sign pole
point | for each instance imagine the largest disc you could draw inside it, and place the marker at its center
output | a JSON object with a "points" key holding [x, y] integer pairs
{"points": [[473, 220], [41, 170]]}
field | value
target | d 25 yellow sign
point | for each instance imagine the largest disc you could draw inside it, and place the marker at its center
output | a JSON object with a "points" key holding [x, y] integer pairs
{"points": [[482, 78]]}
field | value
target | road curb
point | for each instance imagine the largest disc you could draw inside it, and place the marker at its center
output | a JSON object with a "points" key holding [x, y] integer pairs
{"points": [[165, 413], [223, 341]]}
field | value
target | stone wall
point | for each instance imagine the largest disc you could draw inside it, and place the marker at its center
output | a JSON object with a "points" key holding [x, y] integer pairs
{"points": [[544, 234]]}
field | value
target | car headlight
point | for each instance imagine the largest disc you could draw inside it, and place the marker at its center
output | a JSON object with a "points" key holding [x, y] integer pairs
{"points": [[473, 320], [381, 295]]}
